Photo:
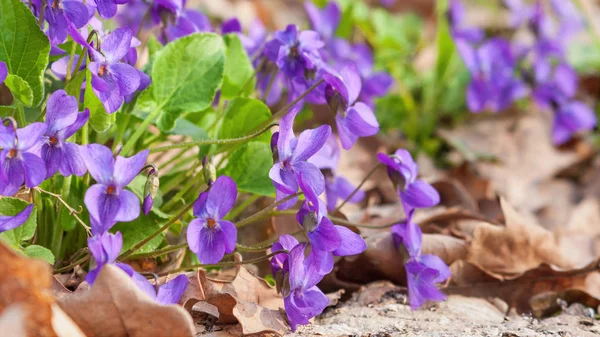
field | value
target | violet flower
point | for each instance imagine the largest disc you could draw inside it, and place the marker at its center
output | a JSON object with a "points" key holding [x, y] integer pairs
{"points": [[570, 118], [62, 120], [323, 235], [291, 155], [108, 8], [111, 79], [209, 236], [403, 172], [302, 299], [18, 162], [168, 293], [105, 248], [108, 201], [59, 13], [423, 272], [279, 263], [8, 222], [190, 21], [3, 72], [336, 187], [353, 119], [294, 53], [324, 21]]}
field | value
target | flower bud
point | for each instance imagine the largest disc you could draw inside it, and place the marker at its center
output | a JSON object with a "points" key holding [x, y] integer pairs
{"points": [[274, 140], [150, 190], [209, 171]]}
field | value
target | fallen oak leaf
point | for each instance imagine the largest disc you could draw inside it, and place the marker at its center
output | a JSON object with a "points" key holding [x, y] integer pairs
{"points": [[115, 307], [247, 300]]}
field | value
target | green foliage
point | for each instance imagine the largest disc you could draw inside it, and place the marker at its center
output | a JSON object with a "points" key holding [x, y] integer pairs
{"points": [[73, 88], [185, 76], [238, 76], [249, 167], [99, 119], [24, 48], [242, 117], [20, 90], [137, 230], [39, 252], [12, 206]]}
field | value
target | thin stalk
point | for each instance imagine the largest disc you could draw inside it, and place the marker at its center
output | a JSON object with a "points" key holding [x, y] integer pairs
{"points": [[140, 131], [20, 117], [166, 226], [72, 265], [41, 18], [57, 229], [266, 210], [72, 211], [121, 131], [294, 102], [164, 251], [270, 84], [373, 170], [241, 207], [226, 264], [359, 225], [212, 141], [183, 191], [70, 63], [257, 248]]}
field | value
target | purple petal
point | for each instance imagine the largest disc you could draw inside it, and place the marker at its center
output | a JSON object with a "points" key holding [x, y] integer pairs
{"points": [[106, 8], [229, 233], [221, 197], [337, 83], [8, 222], [30, 135], [412, 239], [99, 162], [296, 266], [328, 156], [321, 261], [14, 173], [284, 179], [279, 195], [477, 95], [7, 136], [129, 207], [325, 237], [311, 175], [3, 72], [70, 130], [61, 111], [420, 195], [361, 120], [76, 12], [35, 169], [171, 292], [127, 168], [310, 142], [344, 188], [324, 21], [98, 83], [286, 140], [193, 234], [200, 206], [71, 160], [435, 262], [352, 81], [51, 155], [116, 45], [126, 77], [210, 244], [421, 287], [231, 26], [147, 204], [352, 243], [103, 207]]}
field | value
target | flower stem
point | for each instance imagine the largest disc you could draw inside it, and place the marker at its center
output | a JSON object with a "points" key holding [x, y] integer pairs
{"points": [[212, 141], [72, 211], [257, 248], [294, 102], [160, 252], [226, 264], [264, 211], [20, 117], [72, 265], [373, 170], [140, 131], [166, 226]]}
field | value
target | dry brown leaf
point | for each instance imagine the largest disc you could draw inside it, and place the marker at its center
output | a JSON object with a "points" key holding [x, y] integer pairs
{"points": [[247, 300], [548, 303], [516, 248], [26, 306], [580, 238], [115, 307], [469, 280]]}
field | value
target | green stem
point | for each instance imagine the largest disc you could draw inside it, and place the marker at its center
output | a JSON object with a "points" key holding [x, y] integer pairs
{"points": [[121, 131], [373, 170], [175, 199], [72, 265], [57, 229], [140, 131], [226, 264], [241, 207], [70, 63], [166, 226], [20, 117], [160, 252], [257, 248], [212, 141], [264, 211]]}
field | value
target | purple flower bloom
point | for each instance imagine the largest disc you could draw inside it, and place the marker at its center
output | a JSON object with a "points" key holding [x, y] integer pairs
{"points": [[570, 19], [105, 248], [324, 236], [108, 8], [147, 204], [232, 25], [168, 293], [279, 261], [190, 21], [254, 41], [353, 119], [456, 20], [59, 67], [59, 13], [403, 172], [302, 299], [18, 163], [62, 120], [3, 72], [294, 53], [493, 84], [324, 21], [209, 236], [336, 187], [108, 201], [112, 80], [570, 118], [291, 159], [8, 222], [553, 84]]}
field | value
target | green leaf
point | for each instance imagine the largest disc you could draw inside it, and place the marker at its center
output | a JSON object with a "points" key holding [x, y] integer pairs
{"points": [[154, 46], [186, 75], [238, 76], [12, 206], [137, 230], [99, 119], [73, 88], [249, 167], [23, 46], [444, 42], [137, 187], [184, 127], [19, 89], [39, 252], [242, 116]]}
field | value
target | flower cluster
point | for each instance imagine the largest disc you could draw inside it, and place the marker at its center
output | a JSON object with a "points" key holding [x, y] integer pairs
{"points": [[423, 272], [503, 71]]}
